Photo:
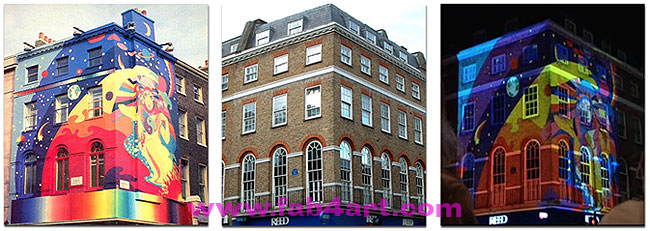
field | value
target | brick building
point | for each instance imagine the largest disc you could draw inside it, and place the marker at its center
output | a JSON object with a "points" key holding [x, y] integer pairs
{"points": [[10, 73], [320, 105], [550, 128]]}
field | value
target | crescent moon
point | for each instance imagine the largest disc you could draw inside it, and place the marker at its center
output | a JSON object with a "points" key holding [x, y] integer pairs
{"points": [[148, 29], [40, 132]]}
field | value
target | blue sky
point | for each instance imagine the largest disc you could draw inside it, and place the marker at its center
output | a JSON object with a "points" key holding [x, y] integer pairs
{"points": [[186, 26]]}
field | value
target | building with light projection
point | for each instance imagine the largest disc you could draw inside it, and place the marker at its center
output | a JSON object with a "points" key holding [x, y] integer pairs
{"points": [[549, 128], [95, 130]]}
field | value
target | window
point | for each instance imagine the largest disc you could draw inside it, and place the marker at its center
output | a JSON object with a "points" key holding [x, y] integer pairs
{"points": [[32, 74], [618, 84], [563, 154], [419, 182], [582, 65], [563, 99], [366, 175], [403, 182], [224, 82], [279, 175], [346, 55], [249, 118], [371, 37], [562, 54], [354, 27], [248, 181], [62, 65], [530, 53], [198, 94], [30, 174], [498, 64], [401, 124], [62, 169], [403, 56], [345, 156], [281, 64], [385, 118], [621, 123], [312, 102], [383, 74], [203, 183], [96, 103], [234, 47], [587, 36], [469, 73], [185, 177], [387, 192], [388, 47], [365, 65], [30, 116], [95, 57], [314, 172], [280, 110], [570, 25], [346, 102], [532, 160], [200, 131], [637, 127], [530, 101], [223, 125], [366, 110], [97, 165], [61, 107], [182, 124], [400, 82], [634, 89], [250, 73], [604, 171], [262, 38], [417, 126], [468, 117], [314, 54], [467, 172], [294, 27], [585, 111], [499, 108], [180, 83], [499, 166], [623, 180], [415, 90], [585, 165]]}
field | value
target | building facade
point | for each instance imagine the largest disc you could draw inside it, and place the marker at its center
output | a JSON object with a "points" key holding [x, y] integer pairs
{"points": [[10, 73], [550, 128], [318, 105], [95, 129]]}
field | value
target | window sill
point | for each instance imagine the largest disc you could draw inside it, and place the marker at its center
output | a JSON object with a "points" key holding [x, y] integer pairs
{"points": [[279, 125], [92, 67], [279, 73], [185, 138], [387, 84], [386, 132], [348, 119], [349, 64], [181, 93], [248, 132], [202, 145], [250, 81], [313, 117], [419, 143], [368, 126], [199, 102], [368, 74], [312, 63], [404, 138]]}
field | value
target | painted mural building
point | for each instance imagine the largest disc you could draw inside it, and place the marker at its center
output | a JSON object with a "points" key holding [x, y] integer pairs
{"points": [[549, 128], [319, 105], [96, 130]]}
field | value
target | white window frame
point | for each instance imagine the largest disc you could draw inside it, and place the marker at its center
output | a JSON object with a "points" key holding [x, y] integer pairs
{"points": [[203, 182], [180, 82], [419, 182], [95, 95], [182, 125], [403, 56], [404, 182], [371, 37], [399, 82], [351, 27], [294, 27], [61, 106], [402, 127], [385, 117], [388, 47], [200, 131], [346, 100], [415, 90], [366, 176], [417, 129], [233, 47], [366, 108], [262, 37], [319, 107], [280, 173], [282, 110], [346, 53], [345, 157], [386, 175], [383, 74], [30, 115], [224, 82], [251, 71], [198, 93], [367, 65], [316, 193], [248, 194], [281, 64], [315, 53], [253, 117]]}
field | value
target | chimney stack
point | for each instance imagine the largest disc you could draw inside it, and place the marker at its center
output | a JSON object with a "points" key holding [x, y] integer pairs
{"points": [[42, 40]]}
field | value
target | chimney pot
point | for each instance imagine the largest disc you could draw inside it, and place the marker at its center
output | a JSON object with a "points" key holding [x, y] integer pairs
{"points": [[206, 62], [45, 38], [40, 35], [49, 40]]}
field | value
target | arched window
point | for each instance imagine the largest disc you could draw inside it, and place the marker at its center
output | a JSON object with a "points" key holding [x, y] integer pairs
{"points": [[346, 173], [499, 166], [62, 169], [315, 172], [585, 165], [604, 179], [419, 182], [97, 164], [248, 181], [366, 175], [563, 160], [385, 178], [279, 175], [623, 177], [30, 174], [403, 181], [532, 160], [467, 171]]}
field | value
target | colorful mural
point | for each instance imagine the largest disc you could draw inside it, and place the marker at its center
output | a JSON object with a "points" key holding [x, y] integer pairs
{"points": [[525, 93]]}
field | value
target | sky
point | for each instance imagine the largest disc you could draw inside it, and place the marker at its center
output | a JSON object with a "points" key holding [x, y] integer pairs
{"points": [[405, 23], [186, 26]]}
